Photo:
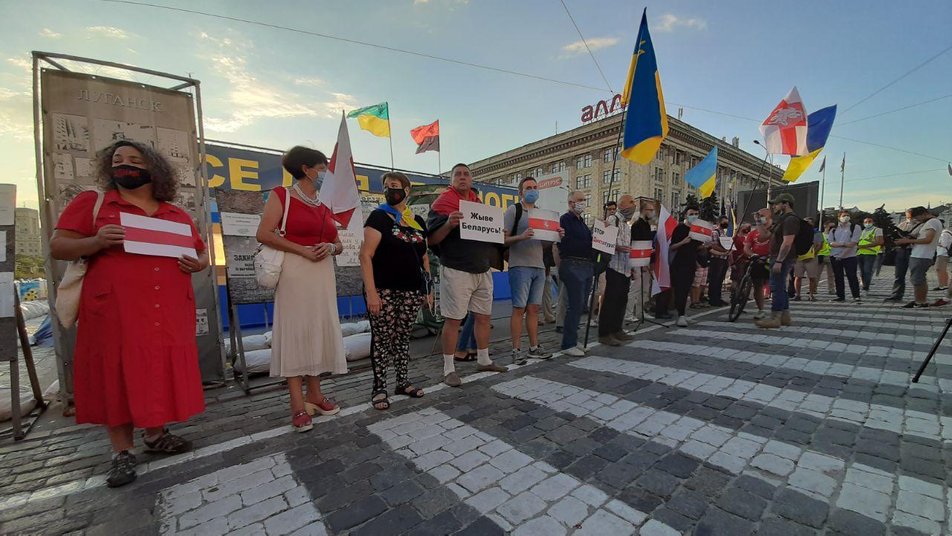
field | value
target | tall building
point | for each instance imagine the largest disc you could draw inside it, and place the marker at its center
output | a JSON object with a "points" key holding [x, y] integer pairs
{"points": [[28, 241], [587, 153]]}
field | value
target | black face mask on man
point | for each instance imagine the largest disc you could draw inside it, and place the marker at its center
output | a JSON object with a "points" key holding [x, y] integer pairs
{"points": [[395, 196], [130, 177]]}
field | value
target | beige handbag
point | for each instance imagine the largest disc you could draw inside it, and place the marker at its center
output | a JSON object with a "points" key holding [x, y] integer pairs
{"points": [[268, 261], [71, 286]]}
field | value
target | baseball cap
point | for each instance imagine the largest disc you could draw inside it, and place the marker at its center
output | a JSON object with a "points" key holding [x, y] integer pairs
{"points": [[782, 198]]}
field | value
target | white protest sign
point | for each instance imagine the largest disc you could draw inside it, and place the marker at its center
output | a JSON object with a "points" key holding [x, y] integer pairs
{"points": [[544, 224], [604, 237], [152, 236], [727, 242], [235, 224], [482, 223], [351, 240]]}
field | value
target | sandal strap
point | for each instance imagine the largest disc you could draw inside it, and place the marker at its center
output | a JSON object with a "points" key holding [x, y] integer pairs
{"points": [[167, 442]]}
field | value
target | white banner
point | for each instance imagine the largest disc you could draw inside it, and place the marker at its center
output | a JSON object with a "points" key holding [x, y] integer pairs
{"points": [[482, 223], [236, 224], [544, 224], [604, 237]]}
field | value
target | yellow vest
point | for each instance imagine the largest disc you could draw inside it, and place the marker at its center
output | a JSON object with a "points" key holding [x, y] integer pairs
{"points": [[825, 250], [868, 237]]}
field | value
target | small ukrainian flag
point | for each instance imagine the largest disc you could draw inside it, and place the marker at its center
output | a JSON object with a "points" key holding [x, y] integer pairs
{"points": [[646, 121], [704, 175]]}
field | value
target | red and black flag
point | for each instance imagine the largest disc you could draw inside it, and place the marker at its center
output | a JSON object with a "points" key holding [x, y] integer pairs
{"points": [[427, 137]]}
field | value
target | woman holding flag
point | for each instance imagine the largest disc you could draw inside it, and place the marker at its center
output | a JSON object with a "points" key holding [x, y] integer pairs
{"points": [[396, 273], [306, 339], [136, 360]]}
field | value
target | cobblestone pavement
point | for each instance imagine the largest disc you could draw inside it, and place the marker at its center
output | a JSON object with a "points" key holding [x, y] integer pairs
{"points": [[718, 428]]}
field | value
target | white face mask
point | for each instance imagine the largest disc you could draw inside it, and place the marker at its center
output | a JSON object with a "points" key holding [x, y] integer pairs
{"points": [[579, 207], [867, 225], [844, 219]]}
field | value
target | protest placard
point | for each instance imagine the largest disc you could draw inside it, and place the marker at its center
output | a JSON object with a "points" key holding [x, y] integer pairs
{"points": [[350, 255], [604, 237], [237, 224], [482, 223], [544, 224], [152, 236]]}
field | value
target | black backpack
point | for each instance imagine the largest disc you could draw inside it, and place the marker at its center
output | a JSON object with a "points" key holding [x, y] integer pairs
{"points": [[804, 239]]}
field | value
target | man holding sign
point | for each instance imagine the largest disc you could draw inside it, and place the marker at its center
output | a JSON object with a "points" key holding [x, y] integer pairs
{"points": [[466, 283], [611, 318], [575, 268], [526, 268]]}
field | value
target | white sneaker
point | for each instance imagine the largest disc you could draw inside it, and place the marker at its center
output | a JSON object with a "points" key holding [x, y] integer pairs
{"points": [[682, 321], [574, 351], [759, 315]]}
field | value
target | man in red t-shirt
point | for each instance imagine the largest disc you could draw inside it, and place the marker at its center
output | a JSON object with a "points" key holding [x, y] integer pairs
{"points": [[757, 248]]}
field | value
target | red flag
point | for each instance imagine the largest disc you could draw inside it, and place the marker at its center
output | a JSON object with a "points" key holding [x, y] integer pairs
{"points": [[339, 190], [421, 133], [662, 271]]}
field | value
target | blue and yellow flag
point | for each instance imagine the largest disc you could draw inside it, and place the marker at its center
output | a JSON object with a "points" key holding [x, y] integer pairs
{"points": [[819, 124], [646, 121], [704, 175]]}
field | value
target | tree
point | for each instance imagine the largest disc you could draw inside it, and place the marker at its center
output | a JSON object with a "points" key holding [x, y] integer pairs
{"points": [[883, 220], [710, 207]]}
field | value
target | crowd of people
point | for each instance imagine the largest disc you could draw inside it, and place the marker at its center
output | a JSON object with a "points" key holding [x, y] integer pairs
{"points": [[136, 360]]}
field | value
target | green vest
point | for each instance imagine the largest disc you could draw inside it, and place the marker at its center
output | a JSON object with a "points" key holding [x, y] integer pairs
{"points": [[868, 237], [825, 249]]}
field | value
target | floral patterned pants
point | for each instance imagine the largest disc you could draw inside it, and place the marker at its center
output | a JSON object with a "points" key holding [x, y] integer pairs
{"points": [[390, 335]]}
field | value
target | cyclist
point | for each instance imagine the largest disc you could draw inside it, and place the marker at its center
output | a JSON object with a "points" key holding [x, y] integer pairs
{"points": [[757, 248]]}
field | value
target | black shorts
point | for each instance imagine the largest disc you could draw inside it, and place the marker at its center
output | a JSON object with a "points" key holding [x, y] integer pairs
{"points": [[759, 271]]}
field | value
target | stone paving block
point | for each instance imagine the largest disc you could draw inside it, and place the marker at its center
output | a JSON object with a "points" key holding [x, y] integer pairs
{"points": [[868, 502], [521, 507], [257, 512], [480, 478], [602, 523], [523, 479]]}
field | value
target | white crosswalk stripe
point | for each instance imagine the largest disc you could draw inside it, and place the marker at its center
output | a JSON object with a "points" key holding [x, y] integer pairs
{"points": [[851, 486], [259, 497], [828, 329], [777, 338], [798, 364], [505, 485], [901, 421]]}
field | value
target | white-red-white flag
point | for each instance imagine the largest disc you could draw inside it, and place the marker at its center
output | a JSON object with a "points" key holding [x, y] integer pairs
{"points": [[662, 270], [339, 190], [152, 236], [785, 129]]}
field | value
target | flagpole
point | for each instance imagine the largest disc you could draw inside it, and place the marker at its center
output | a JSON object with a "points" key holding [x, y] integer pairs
{"points": [[842, 177], [391, 153]]}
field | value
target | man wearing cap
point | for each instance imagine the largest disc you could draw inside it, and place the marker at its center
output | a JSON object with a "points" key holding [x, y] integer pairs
{"points": [[786, 224]]}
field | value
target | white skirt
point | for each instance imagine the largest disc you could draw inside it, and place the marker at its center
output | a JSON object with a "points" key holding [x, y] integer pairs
{"points": [[306, 340]]}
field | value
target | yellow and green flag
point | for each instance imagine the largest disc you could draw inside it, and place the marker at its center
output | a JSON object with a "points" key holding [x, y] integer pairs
{"points": [[374, 119]]}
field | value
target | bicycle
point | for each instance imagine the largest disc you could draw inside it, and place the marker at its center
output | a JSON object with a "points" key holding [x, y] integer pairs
{"points": [[740, 293]]}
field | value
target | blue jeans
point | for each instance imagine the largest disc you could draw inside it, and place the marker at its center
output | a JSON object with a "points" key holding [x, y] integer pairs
{"points": [[467, 336], [574, 274], [866, 264], [778, 287]]}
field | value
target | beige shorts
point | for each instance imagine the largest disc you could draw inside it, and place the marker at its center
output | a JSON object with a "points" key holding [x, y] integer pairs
{"points": [[461, 292], [808, 268]]}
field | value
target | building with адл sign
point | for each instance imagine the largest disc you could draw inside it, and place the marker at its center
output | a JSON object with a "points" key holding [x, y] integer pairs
{"points": [[585, 154]]}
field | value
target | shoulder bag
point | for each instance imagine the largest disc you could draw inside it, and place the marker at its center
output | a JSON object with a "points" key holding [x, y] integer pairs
{"points": [[268, 261], [71, 286]]}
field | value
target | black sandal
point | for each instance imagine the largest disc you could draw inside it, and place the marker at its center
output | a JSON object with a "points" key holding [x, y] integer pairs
{"points": [[380, 401], [409, 390], [168, 443]]}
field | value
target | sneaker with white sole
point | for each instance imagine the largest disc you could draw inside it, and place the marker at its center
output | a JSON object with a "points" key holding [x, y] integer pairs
{"points": [[574, 351], [539, 353], [682, 321], [760, 314], [519, 357]]}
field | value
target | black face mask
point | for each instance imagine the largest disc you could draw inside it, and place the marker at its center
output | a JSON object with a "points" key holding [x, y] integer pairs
{"points": [[395, 196], [723, 226], [130, 177]]}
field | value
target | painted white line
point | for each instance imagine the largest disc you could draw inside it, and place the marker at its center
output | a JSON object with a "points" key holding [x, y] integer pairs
{"points": [[259, 497], [799, 364], [505, 485], [824, 477], [830, 329], [877, 416]]}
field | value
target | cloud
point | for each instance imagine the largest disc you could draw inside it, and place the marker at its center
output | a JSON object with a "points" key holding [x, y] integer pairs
{"points": [[578, 47], [670, 22], [251, 99], [16, 114], [308, 81], [108, 31], [22, 63], [50, 34]]}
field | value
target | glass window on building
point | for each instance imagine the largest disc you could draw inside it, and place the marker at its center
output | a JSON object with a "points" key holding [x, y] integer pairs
{"points": [[675, 199], [677, 157], [659, 174], [606, 177], [583, 181], [607, 156], [675, 178], [659, 194], [583, 161], [558, 167], [538, 172]]}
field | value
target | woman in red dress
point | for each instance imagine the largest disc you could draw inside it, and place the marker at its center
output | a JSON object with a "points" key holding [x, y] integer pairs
{"points": [[136, 359]]}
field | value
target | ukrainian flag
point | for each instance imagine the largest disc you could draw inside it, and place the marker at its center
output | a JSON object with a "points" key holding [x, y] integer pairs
{"points": [[646, 121], [819, 124], [374, 119], [704, 175]]}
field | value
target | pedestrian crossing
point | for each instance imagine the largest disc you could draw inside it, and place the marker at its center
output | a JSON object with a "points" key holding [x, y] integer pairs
{"points": [[504, 484], [909, 422], [795, 364], [828, 329], [841, 482]]}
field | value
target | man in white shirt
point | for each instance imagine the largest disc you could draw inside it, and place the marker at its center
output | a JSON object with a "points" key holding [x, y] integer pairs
{"points": [[942, 257], [843, 240], [611, 316], [923, 250]]}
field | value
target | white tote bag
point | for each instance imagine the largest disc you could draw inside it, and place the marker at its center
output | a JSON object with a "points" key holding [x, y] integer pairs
{"points": [[71, 286], [268, 260]]}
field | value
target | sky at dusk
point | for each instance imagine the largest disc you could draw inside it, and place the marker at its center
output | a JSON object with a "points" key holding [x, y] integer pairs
{"points": [[887, 65]]}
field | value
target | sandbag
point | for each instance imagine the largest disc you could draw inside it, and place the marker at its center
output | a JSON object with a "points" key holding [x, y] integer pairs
{"points": [[255, 342], [258, 361], [357, 346]]}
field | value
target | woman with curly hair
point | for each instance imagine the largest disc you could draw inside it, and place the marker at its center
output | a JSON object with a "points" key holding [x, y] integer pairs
{"points": [[136, 359]]}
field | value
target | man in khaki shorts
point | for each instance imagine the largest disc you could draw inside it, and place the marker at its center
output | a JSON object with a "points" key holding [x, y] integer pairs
{"points": [[808, 266], [466, 281]]}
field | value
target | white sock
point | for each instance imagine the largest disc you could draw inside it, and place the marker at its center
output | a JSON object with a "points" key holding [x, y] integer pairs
{"points": [[449, 364], [482, 356]]}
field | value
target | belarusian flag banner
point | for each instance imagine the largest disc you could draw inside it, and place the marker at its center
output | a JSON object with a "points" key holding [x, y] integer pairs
{"points": [[160, 238], [544, 224]]}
